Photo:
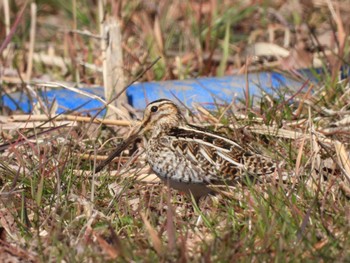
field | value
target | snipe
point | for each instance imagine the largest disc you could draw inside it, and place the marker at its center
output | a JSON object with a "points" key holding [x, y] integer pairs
{"points": [[189, 158]]}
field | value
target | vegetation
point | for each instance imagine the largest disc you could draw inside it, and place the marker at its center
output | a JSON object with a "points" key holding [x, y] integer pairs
{"points": [[54, 209]]}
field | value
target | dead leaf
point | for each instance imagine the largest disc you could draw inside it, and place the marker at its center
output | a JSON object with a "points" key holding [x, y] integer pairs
{"points": [[108, 249]]}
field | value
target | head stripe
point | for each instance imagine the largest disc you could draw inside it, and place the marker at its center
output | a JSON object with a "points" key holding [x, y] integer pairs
{"points": [[160, 100]]}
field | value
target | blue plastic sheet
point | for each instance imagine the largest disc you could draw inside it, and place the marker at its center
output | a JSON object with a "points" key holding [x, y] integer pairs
{"points": [[207, 91]]}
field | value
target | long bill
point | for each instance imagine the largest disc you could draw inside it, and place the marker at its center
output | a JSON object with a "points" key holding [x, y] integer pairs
{"points": [[121, 147]]}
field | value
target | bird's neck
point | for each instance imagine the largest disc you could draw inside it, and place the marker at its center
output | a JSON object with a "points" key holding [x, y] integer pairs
{"points": [[162, 127]]}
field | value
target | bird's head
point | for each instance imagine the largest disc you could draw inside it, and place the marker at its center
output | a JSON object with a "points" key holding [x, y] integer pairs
{"points": [[160, 115]]}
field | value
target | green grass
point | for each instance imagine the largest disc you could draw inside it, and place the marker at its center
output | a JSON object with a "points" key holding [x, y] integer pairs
{"points": [[55, 218]]}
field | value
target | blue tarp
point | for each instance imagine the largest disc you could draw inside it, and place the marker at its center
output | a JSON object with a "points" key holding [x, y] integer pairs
{"points": [[207, 91]]}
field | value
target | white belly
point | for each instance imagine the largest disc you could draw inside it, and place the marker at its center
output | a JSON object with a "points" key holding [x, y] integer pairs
{"points": [[176, 170]]}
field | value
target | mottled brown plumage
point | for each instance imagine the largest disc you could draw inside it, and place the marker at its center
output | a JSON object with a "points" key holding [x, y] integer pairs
{"points": [[189, 158]]}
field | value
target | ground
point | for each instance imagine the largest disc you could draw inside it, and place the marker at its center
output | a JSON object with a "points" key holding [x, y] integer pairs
{"points": [[54, 208]]}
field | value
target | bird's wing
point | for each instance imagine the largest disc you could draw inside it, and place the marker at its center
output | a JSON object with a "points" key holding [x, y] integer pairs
{"points": [[218, 156]]}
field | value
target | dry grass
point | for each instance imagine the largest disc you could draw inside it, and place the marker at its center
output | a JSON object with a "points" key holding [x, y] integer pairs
{"points": [[53, 209]]}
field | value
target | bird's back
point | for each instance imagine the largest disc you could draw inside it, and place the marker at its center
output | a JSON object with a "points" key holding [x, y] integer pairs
{"points": [[190, 154]]}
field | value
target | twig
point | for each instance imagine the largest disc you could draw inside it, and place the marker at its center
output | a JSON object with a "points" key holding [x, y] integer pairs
{"points": [[31, 125], [13, 29], [74, 9], [43, 117], [127, 86], [31, 41], [113, 75], [39, 99], [52, 60], [87, 94], [61, 62], [6, 145], [121, 147], [7, 16], [137, 78], [83, 33], [92, 157], [294, 95], [343, 158]]}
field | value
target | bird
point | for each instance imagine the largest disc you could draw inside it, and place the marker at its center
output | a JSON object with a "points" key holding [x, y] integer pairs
{"points": [[190, 158]]}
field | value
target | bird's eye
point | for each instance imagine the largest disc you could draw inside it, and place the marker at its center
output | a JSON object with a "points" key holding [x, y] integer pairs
{"points": [[154, 108]]}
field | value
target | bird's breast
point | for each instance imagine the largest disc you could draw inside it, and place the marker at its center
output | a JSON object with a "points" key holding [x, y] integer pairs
{"points": [[170, 164]]}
